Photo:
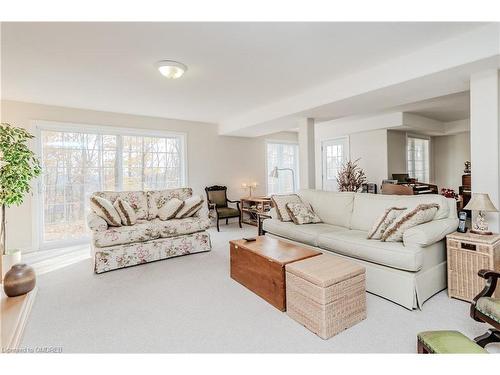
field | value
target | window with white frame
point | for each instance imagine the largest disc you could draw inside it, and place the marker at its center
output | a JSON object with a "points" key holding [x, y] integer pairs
{"points": [[418, 158], [285, 157], [334, 153], [78, 162]]}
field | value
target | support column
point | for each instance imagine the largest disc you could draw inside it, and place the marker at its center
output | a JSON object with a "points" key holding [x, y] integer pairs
{"points": [[306, 154], [485, 138]]}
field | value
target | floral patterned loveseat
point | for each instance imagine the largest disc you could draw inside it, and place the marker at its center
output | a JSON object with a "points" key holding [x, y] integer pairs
{"points": [[150, 239]]}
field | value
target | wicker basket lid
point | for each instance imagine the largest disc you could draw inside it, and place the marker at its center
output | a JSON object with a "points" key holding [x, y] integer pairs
{"points": [[325, 270]]}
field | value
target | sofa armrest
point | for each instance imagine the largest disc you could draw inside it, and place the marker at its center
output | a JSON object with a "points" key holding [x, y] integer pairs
{"points": [[95, 222], [429, 233], [273, 213]]}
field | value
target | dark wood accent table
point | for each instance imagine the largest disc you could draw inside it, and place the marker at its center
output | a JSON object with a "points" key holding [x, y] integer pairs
{"points": [[260, 266]]}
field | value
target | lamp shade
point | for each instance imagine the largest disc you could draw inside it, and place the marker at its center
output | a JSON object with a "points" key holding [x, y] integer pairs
{"points": [[274, 173], [480, 202]]}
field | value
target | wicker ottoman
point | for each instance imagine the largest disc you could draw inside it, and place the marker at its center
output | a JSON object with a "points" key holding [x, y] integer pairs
{"points": [[326, 294]]}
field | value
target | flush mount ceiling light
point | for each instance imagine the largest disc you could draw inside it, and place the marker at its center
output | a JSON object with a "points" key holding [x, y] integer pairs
{"points": [[171, 69]]}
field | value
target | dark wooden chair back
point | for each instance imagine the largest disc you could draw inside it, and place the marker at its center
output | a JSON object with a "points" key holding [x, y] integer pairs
{"points": [[217, 195]]}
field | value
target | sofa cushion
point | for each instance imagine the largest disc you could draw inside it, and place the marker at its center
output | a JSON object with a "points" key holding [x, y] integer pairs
{"points": [[136, 199], [307, 233], [354, 243], [302, 213], [383, 221], [190, 207], [126, 212], [157, 198], [139, 232], [332, 208], [178, 227], [171, 208], [280, 202], [103, 208], [367, 207], [421, 214]]}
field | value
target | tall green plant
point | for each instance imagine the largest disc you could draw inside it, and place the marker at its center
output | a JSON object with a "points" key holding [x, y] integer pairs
{"points": [[20, 166]]}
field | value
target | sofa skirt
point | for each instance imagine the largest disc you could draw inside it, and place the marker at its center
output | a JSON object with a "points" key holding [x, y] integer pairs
{"points": [[406, 288], [121, 256]]}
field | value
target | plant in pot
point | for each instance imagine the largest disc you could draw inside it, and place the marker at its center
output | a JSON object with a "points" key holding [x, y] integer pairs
{"points": [[18, 166], [350, 176]]}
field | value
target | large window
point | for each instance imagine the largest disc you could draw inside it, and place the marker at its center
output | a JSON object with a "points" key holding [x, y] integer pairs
{"points": [[418, 158], [284, 156], [76, 163]]}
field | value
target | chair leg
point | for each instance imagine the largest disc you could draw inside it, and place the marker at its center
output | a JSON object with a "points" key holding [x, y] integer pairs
{"points": [[239, 220], [218, 230], [421, 349], [489, 337], [227, 221]]}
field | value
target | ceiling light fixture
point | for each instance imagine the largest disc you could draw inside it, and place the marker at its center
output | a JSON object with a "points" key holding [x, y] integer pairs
{"points": [[171, 69]]}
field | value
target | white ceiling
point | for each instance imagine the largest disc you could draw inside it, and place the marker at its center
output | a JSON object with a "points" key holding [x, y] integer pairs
{"points": [[233, 67], [445, 108]]}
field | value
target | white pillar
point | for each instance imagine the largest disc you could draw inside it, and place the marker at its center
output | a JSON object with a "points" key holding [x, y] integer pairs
{"points": [[306, 154], [485, 138]]}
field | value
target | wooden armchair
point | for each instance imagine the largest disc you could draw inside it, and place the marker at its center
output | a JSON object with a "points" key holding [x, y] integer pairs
{"points": [[217, 201], [486, 309]]}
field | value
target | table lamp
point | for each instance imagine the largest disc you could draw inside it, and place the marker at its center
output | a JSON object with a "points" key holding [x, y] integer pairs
{"points": [[481, 203], [250, 186]]}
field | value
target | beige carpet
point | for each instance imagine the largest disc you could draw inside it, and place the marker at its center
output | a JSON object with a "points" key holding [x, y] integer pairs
{"points": [[189, 304]]}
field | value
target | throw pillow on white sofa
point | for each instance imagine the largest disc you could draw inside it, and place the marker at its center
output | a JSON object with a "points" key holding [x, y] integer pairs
{"points": [[383, 221], [302, 213], [421, 214], [104, 208], [170, 209], [125, 211], [280, 201], [190, 207]]}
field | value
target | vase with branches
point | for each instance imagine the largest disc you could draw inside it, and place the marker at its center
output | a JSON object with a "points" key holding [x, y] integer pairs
{"points": [[350, 176], [18, 166]]}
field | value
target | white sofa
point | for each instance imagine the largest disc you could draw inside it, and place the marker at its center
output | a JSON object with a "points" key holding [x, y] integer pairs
{"points": [[150, 239], [408, 272]]}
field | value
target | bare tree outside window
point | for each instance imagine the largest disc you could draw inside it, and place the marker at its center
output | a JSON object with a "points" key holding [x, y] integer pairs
{"points": [[76, 164]]}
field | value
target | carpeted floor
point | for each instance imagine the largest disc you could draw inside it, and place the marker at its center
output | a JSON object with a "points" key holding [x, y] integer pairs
{"points": [[190, 304]]}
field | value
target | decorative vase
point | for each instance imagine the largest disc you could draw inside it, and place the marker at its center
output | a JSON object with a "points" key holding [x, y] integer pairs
{"points": [[19, 280], [8, 260]]}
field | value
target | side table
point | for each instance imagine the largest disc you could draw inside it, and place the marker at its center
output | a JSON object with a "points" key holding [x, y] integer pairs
{"points": [[467, 254]]}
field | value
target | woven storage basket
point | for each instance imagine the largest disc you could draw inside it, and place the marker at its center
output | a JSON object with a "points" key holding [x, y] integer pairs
{"points": [[326, 294], [467, 254]]}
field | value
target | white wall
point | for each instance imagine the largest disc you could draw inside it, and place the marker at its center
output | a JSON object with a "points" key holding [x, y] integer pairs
{"points": [[485, 138], [369, 146], [396, 152], [450, 152], [306, 154], [212, 159]]}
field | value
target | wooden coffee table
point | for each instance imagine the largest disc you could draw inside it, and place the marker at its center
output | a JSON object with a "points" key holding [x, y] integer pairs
{"points": [[260, 266]]}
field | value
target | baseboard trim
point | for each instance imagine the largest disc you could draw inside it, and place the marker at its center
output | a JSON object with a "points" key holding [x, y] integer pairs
{"points": [[15, 314]]}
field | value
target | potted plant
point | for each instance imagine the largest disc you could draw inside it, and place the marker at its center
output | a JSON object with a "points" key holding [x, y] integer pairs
{"points": [[350, 176], [18, 166]]}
